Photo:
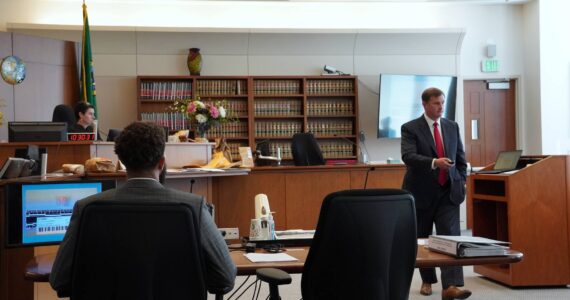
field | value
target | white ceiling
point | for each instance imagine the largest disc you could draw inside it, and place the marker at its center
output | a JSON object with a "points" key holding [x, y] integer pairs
{"points": [[236, 15]]}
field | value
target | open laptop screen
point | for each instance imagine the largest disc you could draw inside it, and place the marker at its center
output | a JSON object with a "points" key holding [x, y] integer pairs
{"points": [[507, 160]]}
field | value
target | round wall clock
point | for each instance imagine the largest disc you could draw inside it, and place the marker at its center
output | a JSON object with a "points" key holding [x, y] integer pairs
{"points": [[13, 69]]}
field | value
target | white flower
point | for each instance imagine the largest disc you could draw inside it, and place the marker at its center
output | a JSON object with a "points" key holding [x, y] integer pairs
{"points": [[200, 118], [222, 111], [199, 104]]}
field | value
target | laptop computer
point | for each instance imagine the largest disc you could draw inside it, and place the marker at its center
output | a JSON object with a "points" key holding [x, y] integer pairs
{"points": [[506, 161]]}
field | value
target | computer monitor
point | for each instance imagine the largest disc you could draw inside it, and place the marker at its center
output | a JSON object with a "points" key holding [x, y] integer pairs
{"points": [[37, 131], [39, 213]]}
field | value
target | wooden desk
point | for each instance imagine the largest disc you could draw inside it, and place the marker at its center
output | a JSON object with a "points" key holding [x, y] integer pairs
{"points": [[39, 268], [295, 192]]}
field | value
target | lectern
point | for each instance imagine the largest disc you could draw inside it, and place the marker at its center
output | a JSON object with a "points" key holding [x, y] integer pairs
{"points": [[529, 208]]}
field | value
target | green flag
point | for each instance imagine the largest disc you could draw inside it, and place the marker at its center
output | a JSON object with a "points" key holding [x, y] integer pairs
{"points": [[87, 74]]}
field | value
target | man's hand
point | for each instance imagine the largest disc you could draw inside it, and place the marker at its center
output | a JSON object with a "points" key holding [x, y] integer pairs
{"points": [[443, 163]]}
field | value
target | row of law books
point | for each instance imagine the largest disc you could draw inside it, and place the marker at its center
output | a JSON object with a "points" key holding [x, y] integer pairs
{"points": [[221, 87], [234, 108], [328, 86], [330, 107], [328, 127], [229, 130], [277, 107], [277, 128], [261, 87], [165, 90], [467, 246], [172, 120], [336, 148]]}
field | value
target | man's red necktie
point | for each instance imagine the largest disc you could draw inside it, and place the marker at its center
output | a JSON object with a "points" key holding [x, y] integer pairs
{"points": [[442, 178]]}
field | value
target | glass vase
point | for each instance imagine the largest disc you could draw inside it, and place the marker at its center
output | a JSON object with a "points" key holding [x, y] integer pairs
{"points": [[194, 61], [200, 137]]}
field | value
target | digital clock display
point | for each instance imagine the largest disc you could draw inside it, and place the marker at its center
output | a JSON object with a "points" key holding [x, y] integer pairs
{"points": [[79, 137]]}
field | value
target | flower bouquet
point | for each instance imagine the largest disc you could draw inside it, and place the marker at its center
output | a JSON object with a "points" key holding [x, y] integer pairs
{"points": [[202, 115]]}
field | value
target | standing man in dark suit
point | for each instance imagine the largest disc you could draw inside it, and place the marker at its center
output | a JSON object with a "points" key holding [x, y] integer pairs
{"points": [[141, 148], [436, 169]]}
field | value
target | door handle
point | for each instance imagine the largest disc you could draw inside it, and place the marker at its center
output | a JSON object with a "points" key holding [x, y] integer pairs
{"points": [[474, 129]]}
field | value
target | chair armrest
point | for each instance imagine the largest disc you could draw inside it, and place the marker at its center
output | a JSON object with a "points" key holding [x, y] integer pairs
{"points": [[273, 276]]}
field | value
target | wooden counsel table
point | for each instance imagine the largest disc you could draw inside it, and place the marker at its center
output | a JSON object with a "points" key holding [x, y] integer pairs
{"points": [[39, 268]]}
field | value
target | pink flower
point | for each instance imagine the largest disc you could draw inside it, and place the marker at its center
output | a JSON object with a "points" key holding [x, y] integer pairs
{"points": [[191, 108], [214, 112]]}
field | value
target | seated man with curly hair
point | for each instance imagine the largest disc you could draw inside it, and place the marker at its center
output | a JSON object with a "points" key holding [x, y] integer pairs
{"points": [[141, 149]]}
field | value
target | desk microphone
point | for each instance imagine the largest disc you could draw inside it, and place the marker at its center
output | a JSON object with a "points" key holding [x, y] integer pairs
{"points": [[368, 171], [362, 154], [192, 181]]}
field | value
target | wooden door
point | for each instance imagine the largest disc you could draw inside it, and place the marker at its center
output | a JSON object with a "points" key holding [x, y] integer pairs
{"points": [[489, 121]]}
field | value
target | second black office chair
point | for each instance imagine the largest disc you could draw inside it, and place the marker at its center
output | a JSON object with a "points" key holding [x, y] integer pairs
{"points": [[364, 247], [306, 151], [144, 251], [64, 113]]}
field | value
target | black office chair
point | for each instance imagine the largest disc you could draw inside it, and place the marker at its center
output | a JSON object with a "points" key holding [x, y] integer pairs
{"points": [[64, 113], [364, 247], [306, 150], [133, 250], [113, 134]]}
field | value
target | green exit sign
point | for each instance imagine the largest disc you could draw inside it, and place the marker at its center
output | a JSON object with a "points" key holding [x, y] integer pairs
{"points": [[490, 65]]}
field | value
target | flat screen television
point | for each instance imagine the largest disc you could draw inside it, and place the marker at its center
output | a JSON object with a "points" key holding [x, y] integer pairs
{"points": [[37, 131], [400, 100], [38, 213]]}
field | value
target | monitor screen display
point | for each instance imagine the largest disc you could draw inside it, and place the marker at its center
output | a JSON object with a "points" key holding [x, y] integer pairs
{"points": [[37, 131], [39, 213], [400, 100]]}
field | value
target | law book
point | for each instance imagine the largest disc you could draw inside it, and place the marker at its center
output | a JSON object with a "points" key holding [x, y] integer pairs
{"points": [[467, 246]]}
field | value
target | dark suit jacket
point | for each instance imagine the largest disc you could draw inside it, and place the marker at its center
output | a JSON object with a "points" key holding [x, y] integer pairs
{"points": [[418, 151], [220, 269]]}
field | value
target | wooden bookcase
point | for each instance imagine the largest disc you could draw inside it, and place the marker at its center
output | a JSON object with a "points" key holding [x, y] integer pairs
{"points": [[530, 209], [267, 108]]}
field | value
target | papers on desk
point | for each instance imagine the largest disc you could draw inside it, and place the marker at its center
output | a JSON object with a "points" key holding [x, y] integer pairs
{"points": [[192, 170], [467, 246], [207, 169], [269, 257], [293, 234]]}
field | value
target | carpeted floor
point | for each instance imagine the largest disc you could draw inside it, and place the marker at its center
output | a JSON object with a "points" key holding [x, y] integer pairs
{"points": [[482, 289]]}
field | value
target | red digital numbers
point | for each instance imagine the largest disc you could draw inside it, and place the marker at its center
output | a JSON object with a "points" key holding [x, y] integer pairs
{"points": [[79, 137]]}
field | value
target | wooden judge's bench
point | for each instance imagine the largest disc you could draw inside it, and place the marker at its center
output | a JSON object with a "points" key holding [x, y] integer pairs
{"points": [[529, 208]]}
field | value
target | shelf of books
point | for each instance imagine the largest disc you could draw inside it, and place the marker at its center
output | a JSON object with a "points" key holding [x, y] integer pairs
{"points": [[263, 108]]}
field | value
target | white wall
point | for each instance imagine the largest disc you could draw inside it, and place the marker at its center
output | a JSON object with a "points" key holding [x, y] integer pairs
{"points": [[531, 81], [555, 74]]}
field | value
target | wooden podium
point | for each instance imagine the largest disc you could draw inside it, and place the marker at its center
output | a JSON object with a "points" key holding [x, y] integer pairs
{"points": [[529, 208]]}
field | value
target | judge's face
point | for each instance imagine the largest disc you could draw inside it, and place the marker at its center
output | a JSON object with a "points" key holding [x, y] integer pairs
{"points": [[434, 107], [88, 116]]}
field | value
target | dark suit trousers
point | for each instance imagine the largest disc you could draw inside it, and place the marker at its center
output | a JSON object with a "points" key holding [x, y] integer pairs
{"points": [[445, 215]]}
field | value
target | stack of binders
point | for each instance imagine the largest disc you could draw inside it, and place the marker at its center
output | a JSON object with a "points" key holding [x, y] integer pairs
{"points": [[467, 246]]}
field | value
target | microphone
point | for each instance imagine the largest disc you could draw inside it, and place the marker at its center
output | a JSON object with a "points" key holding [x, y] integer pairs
{"points": [[367, 172], [364, 158]]}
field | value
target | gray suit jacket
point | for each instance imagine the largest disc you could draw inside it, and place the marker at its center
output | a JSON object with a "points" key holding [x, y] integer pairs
{"points": [[418, 151], [220, 269]]}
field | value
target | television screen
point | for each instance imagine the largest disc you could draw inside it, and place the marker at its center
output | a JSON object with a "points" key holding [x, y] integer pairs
{"points": [[39, 213], [400, 100], [37, 131]]}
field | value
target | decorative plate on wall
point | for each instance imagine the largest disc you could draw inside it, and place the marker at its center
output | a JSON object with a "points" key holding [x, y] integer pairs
{"points": [[13, 69]]}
